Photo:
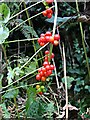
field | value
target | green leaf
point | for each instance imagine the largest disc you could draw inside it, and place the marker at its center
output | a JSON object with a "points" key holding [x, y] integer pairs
{"points": [[4, 13], [6, 114], [87, 87], [59, 19], [31, 67], [50, 109], [10, 75], [31, 93], [69, 81], [4, 33], [11, 94], [26, 30]]}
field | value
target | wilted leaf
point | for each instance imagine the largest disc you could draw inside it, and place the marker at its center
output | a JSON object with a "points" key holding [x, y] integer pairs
{"points": [[70, 107]]}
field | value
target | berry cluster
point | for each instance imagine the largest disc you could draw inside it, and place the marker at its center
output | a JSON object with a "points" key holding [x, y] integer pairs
{"points": [[47, 37], [47, 68], [49, 1], [40, 89], [48, 13]]}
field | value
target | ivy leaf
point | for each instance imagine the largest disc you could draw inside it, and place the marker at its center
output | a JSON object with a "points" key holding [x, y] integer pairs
{"points": [[31, 67], [4, 13], [4, 33], [26, 30], [60, 19], [11, 94], [69, 81]]}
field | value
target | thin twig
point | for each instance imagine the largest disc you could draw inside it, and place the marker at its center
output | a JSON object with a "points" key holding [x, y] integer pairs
{"points": [[25, 10], [34, 55], [66, 89]]}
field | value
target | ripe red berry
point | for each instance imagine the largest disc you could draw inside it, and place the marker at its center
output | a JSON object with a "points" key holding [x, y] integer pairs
{"points": [[55, 42], [42, 43], [49, 1], [47, 67], [38, 77], [45, 63], [52, 55], [43, 78], [46, 58], [40, 93], [49, 10], [47, 38], [45, 74], [48, 33], [52, 67], [43, 69], [51, 39], [39, 40], [49, 72], [42, 39], [42, 35], [56, 37], [49, 15], [39, 70], [46, 52], [41, 73], [44, 13]]}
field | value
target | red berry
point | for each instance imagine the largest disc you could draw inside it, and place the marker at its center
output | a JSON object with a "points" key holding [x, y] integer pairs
{"points": [[44, 13], [49, 10], [41, 73], [47, 38], [40, 93], [49, 1], [49, 15], [49, 72], [52, 67], [45, 74], [42, 35], [51, 39], [39, 70], [43, 69], [39, 40], [52, 55], [45, 63], [42, 39], [42, 43], [46, 58], [48, 33], [38, 77], [43, 78], [47, 67], [56, 37], [55, 42], [46, 52]]}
